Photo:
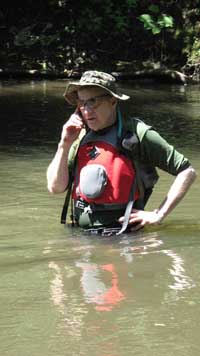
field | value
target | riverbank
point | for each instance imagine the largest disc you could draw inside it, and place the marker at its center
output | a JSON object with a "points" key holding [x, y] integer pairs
{"points": [[166, 76], [122, 71]]}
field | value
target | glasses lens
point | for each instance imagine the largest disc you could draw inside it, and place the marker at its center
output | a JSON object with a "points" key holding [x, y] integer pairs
{"points": [[91, 103]]}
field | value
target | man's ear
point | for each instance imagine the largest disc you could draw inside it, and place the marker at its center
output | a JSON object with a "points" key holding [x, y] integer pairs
{"points": [[114, 101]]}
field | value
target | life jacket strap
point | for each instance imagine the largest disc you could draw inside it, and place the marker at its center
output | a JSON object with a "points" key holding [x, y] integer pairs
{"points": [[90, 208], [103, 231], [129, 207], [66, 204]]}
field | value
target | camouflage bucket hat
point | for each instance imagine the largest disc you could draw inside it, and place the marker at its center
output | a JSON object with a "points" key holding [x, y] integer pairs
{"points": [[93, 78]]}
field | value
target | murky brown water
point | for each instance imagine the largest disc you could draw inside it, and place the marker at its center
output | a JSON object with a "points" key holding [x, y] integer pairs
{"points": [[63, 293]]}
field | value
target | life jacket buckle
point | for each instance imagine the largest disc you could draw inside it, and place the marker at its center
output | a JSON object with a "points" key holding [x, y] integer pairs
{"points": [[80, 204], [87, 209]]}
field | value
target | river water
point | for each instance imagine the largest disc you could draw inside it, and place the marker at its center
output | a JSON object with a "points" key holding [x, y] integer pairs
{"points": [[63, 293]]}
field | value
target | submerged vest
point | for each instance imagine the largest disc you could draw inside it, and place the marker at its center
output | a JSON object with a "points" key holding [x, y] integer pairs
{"points": [[104, 173]]}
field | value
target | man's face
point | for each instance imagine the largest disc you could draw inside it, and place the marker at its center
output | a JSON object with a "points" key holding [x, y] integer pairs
{"points": [[97, 107]]}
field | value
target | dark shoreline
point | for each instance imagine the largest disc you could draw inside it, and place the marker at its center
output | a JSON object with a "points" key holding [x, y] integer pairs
{"points": [[153, 75]]}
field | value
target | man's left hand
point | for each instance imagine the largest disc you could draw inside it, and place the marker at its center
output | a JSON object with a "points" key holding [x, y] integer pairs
{"points": [[141, 218]]}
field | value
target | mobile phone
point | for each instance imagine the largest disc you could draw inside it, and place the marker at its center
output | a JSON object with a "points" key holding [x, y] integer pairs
{"points": [[78, 111]]}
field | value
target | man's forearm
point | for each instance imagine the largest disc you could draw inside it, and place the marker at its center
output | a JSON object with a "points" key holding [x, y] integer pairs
{"points": [[57, 172], [177, 191]]}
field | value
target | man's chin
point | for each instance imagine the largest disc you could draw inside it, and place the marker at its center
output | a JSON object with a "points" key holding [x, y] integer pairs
{"points": [[92, 125]]}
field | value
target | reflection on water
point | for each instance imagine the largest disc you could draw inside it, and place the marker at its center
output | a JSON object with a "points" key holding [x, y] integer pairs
{"points": [[135, 300], [181, 281], [102, 289], [177, 270], [67, 294], [95, 291]]}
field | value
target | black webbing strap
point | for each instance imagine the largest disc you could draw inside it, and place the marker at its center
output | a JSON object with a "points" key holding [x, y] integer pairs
{"points": [[66, 203], [102, 231], [82, 205], [139, 181]]}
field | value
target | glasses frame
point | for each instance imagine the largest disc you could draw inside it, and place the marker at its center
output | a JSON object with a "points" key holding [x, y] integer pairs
{"points": [[91, 103]]}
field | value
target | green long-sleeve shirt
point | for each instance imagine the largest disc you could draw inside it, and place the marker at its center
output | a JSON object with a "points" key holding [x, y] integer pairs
{"points": [[155, 151]]}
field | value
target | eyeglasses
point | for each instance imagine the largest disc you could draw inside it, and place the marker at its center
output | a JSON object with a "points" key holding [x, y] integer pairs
{"points": [[91, 103]]}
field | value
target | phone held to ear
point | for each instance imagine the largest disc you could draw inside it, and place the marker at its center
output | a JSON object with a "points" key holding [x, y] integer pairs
{"points": [[78, 111]]}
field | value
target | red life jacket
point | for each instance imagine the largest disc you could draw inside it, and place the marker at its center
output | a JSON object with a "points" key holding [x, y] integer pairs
{"points": [[102, 150]]}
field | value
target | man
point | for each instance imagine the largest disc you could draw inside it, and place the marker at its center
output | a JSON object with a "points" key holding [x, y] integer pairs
{"points": [[114, 170]]}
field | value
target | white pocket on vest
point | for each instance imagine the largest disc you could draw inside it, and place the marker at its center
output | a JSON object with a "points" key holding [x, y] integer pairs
{"points": [[93, 179]]}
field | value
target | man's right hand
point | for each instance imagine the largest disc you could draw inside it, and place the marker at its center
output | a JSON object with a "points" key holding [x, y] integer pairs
{"points": [[71, 129]]}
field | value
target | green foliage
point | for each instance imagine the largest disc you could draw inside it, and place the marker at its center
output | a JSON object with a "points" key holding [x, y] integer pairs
{"points": [[195, 53], [156, 25], [65, 34]]}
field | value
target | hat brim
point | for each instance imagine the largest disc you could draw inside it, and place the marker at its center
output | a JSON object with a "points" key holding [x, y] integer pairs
{"points": [[70, 93]]}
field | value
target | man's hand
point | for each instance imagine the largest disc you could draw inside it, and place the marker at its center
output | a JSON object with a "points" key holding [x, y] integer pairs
{"points": [[57, 172], [141, 218], [71, 129]]}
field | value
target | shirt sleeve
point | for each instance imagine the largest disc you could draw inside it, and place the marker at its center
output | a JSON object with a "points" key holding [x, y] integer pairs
{"points": [[156, 151]]}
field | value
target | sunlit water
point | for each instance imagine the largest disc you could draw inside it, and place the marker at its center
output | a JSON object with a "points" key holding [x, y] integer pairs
{"points": [[64, 293]]}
